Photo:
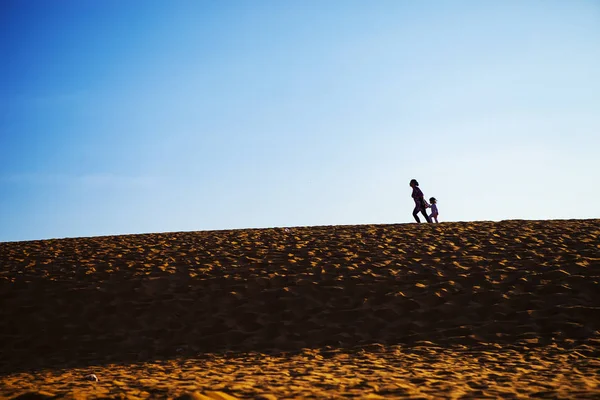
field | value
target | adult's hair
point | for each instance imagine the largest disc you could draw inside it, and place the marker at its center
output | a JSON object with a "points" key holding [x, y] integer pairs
{"points": [[414, 181]]}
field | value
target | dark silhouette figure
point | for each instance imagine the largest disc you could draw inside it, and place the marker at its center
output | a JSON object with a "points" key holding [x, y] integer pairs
{"points": [[420, 204], [434, 211]]}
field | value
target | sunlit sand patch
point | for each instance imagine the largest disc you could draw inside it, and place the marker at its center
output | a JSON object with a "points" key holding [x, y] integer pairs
{"points": [[388, 371]]}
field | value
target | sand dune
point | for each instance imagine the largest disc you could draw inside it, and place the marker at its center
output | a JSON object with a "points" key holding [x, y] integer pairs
{"points": [[483, 309]]}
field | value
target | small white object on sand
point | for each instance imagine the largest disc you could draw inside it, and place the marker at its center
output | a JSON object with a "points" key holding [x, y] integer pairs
{"points": [[92, 377]]}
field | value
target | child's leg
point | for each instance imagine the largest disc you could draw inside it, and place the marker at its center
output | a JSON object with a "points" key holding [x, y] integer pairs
{"points": [[433, 217]]}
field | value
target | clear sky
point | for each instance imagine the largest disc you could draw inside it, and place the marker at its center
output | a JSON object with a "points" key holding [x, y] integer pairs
{"points": [[143, 116]]}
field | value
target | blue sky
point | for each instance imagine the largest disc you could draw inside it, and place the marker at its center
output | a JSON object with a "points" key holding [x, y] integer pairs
{"points": [[142, 116]]}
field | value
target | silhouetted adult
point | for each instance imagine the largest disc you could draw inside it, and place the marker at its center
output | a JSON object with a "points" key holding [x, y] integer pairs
{"points": [[419, 199]]}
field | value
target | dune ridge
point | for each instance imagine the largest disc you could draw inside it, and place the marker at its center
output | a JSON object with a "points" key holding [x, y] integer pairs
{"points": [[381, 291]]}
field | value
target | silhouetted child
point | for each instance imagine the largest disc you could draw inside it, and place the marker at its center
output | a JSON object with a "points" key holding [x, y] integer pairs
{"points": [[434, 210]]}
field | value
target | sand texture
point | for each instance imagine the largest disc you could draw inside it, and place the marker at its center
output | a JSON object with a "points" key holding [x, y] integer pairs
{"points": [[505, 309]]}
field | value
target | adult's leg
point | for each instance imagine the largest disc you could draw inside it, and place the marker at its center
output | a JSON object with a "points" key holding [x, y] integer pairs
{"points": [[425, 215], [415, 212]]}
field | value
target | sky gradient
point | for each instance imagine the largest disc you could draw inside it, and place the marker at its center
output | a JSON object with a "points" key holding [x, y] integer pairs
{"points": [[121, 117]]}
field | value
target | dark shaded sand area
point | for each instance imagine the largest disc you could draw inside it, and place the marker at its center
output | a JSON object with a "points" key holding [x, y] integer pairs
{"points": [[476, 310]]}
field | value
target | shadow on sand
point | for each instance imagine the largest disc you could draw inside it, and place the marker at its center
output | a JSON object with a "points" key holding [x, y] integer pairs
{"points": [[53, 324]]}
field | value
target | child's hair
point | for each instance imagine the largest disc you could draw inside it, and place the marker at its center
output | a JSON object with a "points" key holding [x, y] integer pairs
{"points": [[414, 181], [432, 200]]}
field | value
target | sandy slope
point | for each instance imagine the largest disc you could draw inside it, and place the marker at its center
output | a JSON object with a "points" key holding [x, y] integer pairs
{"points": [[476, 309]]}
